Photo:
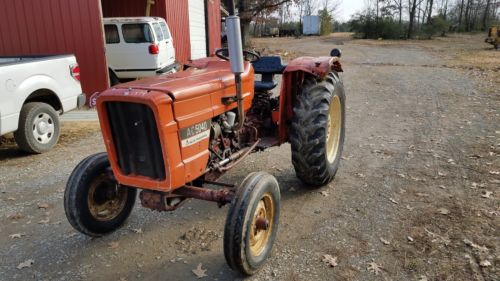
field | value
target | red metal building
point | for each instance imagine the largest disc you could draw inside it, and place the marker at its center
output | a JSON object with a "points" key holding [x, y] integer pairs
{"points": [[33, 27]]}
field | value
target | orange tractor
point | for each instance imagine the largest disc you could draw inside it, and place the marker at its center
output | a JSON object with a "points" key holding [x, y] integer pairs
{"points": [[172, 136]]}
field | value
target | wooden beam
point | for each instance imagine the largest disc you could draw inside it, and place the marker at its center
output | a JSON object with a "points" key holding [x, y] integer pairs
{"points": [[148, 7]]}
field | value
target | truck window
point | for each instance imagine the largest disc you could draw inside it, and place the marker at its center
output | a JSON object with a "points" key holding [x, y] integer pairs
{"points": [[164, 28], [111, 32], [158, 31], [137, 33]]}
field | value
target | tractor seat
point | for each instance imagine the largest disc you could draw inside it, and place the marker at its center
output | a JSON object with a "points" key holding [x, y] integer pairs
{"points": [[267, 66]]}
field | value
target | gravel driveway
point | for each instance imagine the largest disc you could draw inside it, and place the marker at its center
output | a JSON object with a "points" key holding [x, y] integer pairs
{"points": [[415, 198]]}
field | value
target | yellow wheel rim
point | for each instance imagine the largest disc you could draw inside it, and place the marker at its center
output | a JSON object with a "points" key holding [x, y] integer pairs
{"points": [[333, 129], [259, 237], [105, 198]]}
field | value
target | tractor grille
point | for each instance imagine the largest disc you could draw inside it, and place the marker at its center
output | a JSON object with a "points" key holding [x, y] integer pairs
{"points": [[136, 139]]}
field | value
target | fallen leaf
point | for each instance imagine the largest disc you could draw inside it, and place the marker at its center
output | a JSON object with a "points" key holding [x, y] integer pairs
{"points": [[384, 241], [375, 268], [16, 235], [477, 156], [438, 238], [71, 235], [422, 278], [329, 260], [25, 264], [113, 244], [416, 179], [360, 175], [487, 194], [475, 246], [15, 216], [44, 221], [324, 193], [443, 211], [199, 272], [137, 230], [43, 206], [393, 201], [485, 263]]}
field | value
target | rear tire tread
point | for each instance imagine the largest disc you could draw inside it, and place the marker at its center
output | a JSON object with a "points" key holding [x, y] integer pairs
{"points": [[308, 133]]}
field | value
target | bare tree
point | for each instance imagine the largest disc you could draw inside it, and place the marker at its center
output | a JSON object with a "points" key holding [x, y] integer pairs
{"points": [[429, 14], [412, 9]]}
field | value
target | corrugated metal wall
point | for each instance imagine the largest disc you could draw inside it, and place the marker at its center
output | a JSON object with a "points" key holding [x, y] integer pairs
{"points": [[34, 27], [214, 24], [176, 14]]}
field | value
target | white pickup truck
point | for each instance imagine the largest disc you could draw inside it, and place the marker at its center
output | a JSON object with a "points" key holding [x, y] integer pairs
{"points": [[34, 91]]}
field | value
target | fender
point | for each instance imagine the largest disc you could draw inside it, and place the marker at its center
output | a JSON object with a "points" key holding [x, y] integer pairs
{"points": [[293, 77], [12, 106]]}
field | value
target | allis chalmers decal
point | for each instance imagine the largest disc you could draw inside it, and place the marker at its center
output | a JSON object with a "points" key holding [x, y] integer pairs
{"points": [[195, 133]]}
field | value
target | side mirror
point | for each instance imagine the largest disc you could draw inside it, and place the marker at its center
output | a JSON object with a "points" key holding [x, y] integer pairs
{"points": [[335, 52]]}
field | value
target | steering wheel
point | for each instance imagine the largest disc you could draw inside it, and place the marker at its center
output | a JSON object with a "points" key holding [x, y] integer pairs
{"points": [[247, 55]]}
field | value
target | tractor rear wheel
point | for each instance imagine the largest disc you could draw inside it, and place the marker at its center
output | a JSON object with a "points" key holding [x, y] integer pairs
{"points": [[317, 130], [252, 223], [95, 204]]}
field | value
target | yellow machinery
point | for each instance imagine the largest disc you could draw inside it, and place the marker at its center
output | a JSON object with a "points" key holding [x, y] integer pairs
{"points": [[493, 36]]}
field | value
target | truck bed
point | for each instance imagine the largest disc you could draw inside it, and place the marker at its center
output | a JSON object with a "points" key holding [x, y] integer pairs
{"points": [[10, 60]]}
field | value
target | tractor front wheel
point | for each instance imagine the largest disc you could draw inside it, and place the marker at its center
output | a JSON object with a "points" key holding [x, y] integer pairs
{"points": [[95, 204], [317, 130], [252, 223]]}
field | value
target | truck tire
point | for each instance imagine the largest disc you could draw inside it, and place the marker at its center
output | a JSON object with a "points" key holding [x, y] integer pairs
{"points": [[94, 203], [38, 129], [317, 130], [252, 223]]}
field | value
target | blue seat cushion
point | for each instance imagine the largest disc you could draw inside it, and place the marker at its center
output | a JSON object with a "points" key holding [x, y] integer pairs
{"points": [[265, 85], [269, 65]]}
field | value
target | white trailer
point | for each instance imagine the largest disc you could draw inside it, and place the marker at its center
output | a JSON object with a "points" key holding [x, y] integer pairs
{"points": [[311, 25]]}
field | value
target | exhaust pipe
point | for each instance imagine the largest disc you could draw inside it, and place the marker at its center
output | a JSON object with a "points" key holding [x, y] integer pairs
{"points": [[236, 59]]}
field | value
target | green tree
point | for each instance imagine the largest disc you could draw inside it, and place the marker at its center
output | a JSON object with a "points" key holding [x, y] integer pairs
{"points": [[325, 22], [437, 25]]}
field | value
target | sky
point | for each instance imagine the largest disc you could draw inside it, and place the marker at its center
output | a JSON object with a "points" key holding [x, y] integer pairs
{"points": [[348, 8]]}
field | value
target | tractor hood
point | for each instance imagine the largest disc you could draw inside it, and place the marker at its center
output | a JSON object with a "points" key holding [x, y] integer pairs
{"points": [[202, 76]]}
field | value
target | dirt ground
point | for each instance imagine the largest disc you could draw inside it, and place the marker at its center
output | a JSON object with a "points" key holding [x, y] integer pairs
{"points": [[416, 196]]}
